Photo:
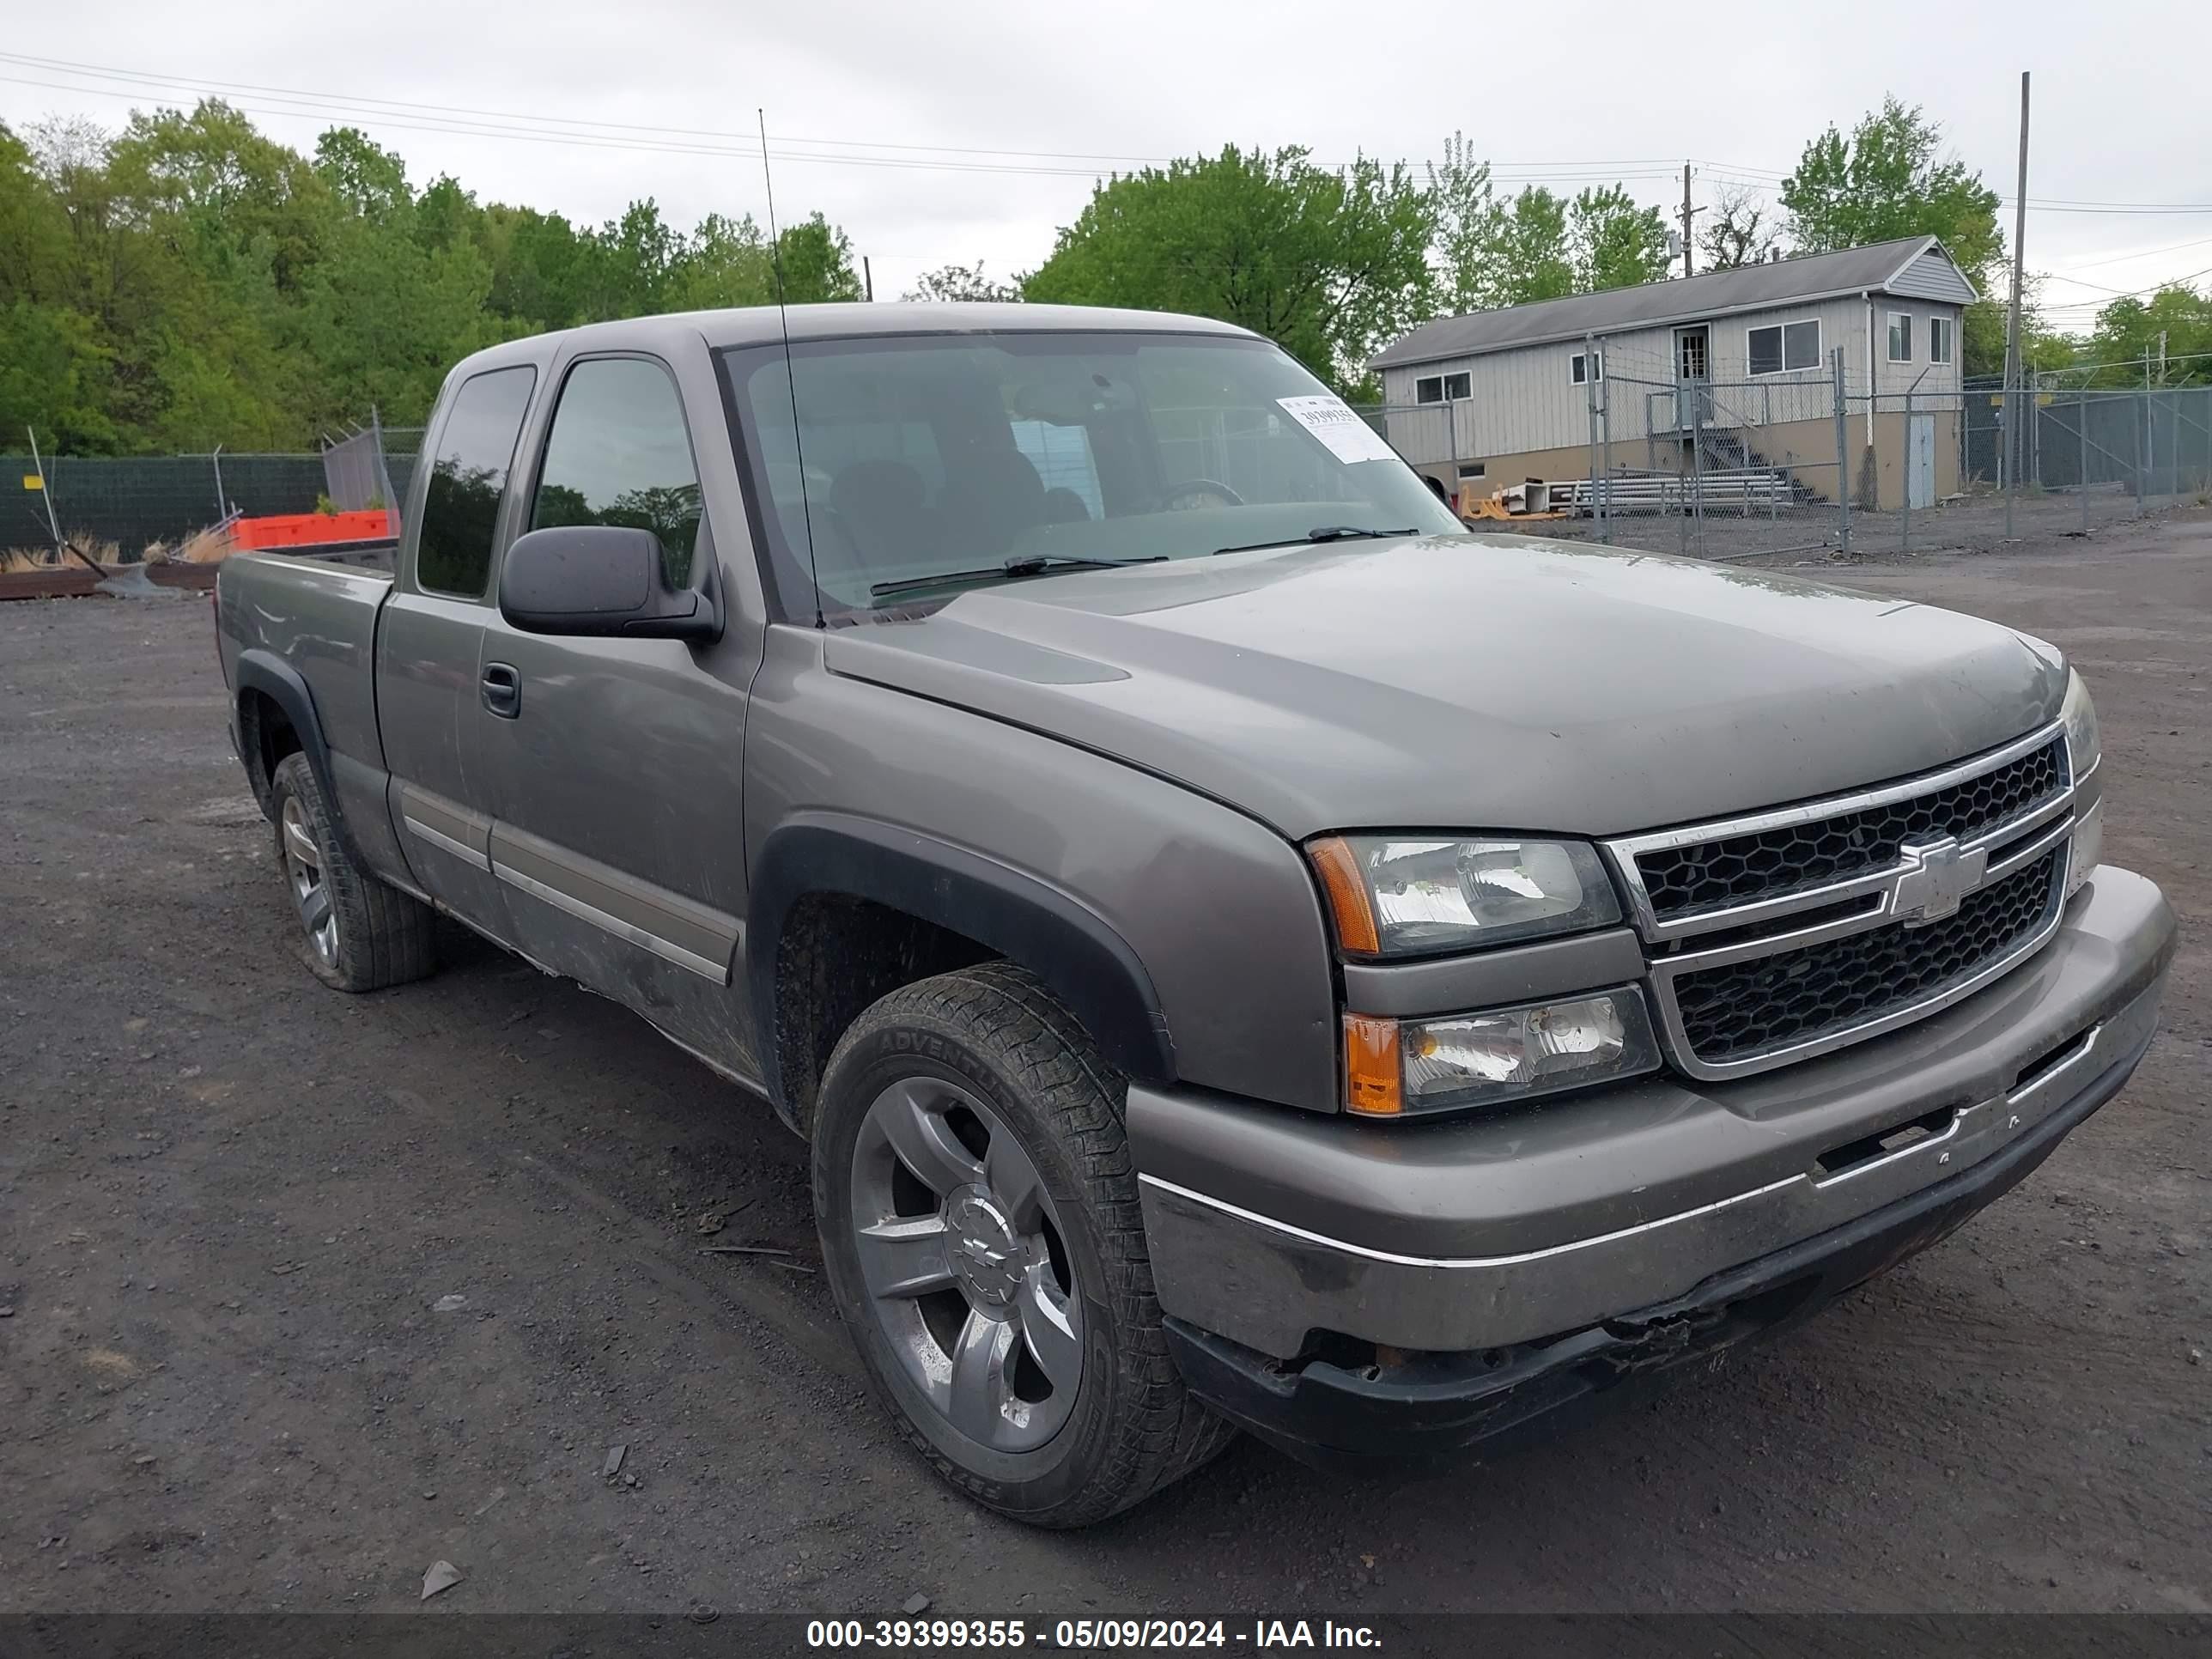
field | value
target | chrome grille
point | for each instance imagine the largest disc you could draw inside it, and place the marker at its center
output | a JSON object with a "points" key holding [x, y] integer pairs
{"points": [[1780, 935], [1791, 857], [1754, 1007]]}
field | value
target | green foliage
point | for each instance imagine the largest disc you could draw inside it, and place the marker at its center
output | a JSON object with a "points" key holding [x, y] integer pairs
{"points": [[188, 282], [1889, 179], [2126, 339], [1528, 249], [817, 264], [1538, 246], [1331, 264], [1462, 205], [1613, 242]]}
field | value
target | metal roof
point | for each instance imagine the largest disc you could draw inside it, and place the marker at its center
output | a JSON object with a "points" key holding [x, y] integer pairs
{"points": [[1685, 299]]}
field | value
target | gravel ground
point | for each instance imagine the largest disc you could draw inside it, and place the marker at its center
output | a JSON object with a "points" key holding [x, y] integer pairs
{"points": [[233, 1206], [1969, 524]]}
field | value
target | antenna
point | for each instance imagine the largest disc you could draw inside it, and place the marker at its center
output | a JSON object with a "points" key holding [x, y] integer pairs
{"points": [[790, 374]]}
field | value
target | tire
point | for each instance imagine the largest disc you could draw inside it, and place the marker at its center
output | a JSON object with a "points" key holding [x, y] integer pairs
{"points": [[357, 933], [990, 1048]]}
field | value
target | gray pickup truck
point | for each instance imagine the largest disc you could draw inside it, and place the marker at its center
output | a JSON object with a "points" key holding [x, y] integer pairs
{"points": [[1242, 950]]}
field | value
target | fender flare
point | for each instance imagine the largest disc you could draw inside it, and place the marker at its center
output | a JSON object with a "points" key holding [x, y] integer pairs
{"points": [[1074, 951], [262, 670]]}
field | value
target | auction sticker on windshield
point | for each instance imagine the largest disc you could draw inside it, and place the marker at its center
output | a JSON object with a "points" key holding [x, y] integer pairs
{"points": [[1331, 420]]}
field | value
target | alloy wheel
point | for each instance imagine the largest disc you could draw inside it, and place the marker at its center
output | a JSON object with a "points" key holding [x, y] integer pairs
{"points": [[311, 889], [965, 1265]]}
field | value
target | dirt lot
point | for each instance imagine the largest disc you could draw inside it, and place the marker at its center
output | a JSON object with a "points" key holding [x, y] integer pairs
{"points": [[1975, 523], [231, 1203]]}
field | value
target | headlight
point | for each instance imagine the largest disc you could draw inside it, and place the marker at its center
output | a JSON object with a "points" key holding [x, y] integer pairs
{"points": [[2080, 714], [1394, 896], [1393, 1067]]}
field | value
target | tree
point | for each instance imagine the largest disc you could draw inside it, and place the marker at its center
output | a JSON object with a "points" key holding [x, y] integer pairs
{"points": [[366, 179], [1464, 210], [189, 281], [542, 267], [958, 283], [383, 320], [1738, 231], [725, 262], [1330, 264], [218, 179], [1527, 250], [1891, 178], [817, 263], [1613, 243], [1536, 246], [2126, 338]]}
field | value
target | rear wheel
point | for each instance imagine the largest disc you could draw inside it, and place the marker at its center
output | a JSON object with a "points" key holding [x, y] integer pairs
{"points": [[980, 1223], [358, 933]]}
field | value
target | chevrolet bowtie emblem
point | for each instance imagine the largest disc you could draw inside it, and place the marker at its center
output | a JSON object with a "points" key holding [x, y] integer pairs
{"points": [[1937, 875]]}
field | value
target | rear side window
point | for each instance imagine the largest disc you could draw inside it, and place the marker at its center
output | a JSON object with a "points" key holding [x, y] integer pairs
{"points": [[476, 449], [619, 454]]}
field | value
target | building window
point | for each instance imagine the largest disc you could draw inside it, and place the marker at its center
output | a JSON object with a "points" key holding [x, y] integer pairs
{"points": [[1785, 346], [1469, 470], [1900, 337], [1578, 369], [1940, 329], [1442, 388]]}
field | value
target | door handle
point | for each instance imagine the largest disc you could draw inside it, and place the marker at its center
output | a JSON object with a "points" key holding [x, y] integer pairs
{"points": [[502, 690]]}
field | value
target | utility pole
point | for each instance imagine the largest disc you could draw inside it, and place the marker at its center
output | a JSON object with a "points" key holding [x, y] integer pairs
{"points": [[868, 279], [2162, 356], [1687, 211], [2016, 451]]}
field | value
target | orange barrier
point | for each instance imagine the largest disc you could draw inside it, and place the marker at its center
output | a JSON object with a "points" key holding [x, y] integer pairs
{"points": [[309, 529]]}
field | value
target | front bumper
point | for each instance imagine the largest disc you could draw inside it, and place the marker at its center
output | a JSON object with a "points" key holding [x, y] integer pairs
{"points": [[1435, 1405], [1530, 1240]]}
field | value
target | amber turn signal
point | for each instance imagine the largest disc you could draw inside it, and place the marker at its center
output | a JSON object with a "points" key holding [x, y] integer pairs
{"points": [[1371, 1074], [1349, 907]]}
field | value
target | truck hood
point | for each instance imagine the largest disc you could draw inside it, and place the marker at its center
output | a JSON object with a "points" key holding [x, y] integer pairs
{"points": [[1490, 683]]}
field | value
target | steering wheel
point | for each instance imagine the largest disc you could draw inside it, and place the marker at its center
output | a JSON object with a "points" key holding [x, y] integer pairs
{"points": [[1190, 493]]}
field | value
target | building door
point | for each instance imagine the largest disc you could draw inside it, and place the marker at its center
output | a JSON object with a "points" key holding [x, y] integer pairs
{"points": [[1920, 461], [1692, 345], [1693, 369]]}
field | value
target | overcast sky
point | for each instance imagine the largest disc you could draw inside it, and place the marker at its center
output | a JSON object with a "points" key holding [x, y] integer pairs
{"points": [[972, 131]]}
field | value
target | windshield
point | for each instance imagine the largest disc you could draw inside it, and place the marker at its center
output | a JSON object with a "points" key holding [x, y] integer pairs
{"points": [[953, 457]]}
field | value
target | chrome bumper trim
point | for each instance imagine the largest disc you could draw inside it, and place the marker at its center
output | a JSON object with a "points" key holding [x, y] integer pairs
{"points": [[1267, 1283]]}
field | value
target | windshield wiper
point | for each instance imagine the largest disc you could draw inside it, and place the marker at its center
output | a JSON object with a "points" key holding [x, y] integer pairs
{"points": [[1037, 565], [1328, 533]]}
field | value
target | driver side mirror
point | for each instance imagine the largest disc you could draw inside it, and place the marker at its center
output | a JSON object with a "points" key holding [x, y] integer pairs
{"points": [[595, 580]]}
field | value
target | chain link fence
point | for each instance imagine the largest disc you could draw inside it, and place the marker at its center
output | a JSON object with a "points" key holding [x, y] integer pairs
{"points": [[136, 501], [1674, 454], [2091, 457]]}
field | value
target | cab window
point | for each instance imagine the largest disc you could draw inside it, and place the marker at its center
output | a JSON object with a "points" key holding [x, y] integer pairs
{"points": [[619, 454], [460, 508]]}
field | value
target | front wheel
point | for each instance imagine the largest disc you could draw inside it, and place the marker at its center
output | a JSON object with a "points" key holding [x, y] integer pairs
{"points": [[980, 1223]]}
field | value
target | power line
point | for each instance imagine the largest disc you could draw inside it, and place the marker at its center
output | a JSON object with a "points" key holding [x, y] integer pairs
{"points": [[465, 120], [1771, 185], [480, 122], [2147, 254]]}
